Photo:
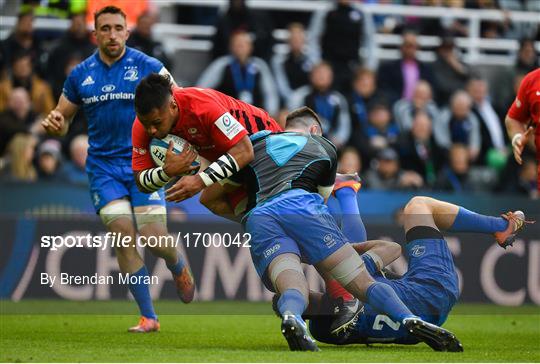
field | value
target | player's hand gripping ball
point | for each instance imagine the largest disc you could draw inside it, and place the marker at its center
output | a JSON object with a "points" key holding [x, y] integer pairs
{"points": [[181, 148]]}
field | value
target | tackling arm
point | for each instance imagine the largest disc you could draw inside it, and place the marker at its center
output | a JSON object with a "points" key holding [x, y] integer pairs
{"points": [[382, 252]]}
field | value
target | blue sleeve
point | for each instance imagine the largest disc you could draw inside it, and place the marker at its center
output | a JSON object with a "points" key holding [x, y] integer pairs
{"points": [[155, 65], [70, 90], [370, 265]]}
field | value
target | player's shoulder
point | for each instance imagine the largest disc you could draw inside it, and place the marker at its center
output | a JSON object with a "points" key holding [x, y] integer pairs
{"points": [[87, 65], [324, 142], [135, 56], [531, 77]]}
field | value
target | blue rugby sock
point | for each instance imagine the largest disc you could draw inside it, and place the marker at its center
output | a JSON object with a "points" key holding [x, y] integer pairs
{"points": [[176, 268], [385, 300], [351, 221], [292, 301], [141, 293], [469, 221]]}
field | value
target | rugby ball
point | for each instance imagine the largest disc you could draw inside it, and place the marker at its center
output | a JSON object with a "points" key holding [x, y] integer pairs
{"points": [[158, 150]]}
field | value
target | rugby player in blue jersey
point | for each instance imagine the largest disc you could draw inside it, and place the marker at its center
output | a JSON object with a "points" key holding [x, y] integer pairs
{"points": [[429, 288], [104, 85], [288, 181]]}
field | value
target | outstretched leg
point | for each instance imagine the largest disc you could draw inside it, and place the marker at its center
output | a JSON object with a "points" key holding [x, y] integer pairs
{"points": [[426, 211]]}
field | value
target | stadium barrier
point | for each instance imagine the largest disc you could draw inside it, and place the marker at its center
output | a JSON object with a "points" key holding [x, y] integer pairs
{"points": [[224, 270]]}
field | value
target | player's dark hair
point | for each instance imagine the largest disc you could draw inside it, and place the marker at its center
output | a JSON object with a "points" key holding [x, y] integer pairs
{"points": [[108, 10], [152, 93], [302, 117]]}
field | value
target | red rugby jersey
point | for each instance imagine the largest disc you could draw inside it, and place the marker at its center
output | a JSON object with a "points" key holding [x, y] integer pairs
{"points": [[209, 120]]}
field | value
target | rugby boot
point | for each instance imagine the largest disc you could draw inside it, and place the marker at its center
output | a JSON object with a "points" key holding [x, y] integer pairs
{"points": [[436, 337], [351, 180], [295, 331], [516, 221], [185, 284], [145, 325], [345, 315]]}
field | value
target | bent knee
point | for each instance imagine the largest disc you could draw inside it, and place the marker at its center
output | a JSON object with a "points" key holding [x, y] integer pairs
{"points": [[417, 204]]}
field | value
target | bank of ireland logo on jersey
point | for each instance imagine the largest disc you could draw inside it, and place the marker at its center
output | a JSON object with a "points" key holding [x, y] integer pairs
{"points": [[108, 88], [229, 125], [131, 75], [418, 250]]}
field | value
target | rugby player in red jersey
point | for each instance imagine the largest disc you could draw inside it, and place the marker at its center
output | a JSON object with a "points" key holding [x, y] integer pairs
{"points": [[524, 117], [217, 125]]}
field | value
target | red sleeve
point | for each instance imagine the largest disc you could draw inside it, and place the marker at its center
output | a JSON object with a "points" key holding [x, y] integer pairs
{"points": [[141, 158], [520, 109]]}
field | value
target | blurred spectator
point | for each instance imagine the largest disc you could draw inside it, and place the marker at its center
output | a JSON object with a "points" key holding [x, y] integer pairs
{"points": [[527, 57], [379, 132], [454, 177], [292, 69], [22, 39], [20, 154], [242, 76], [459, 176], [526, 183], [330, 105], [49, 161], [76, 43], [241, 18], [387, 23], [422, 101], [363, 95], [17, 118], [386, 174], [449, 71], [141, 39], [350, 161], [418, 150], [22, 75], [455, 26], [343, 25], [397, 79], [491, 127], [459, 125], [74, 170]]}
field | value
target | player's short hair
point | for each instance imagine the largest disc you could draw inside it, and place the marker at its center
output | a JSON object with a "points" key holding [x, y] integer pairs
{"points": [[303, 117], [152, 93], [108, 10]]}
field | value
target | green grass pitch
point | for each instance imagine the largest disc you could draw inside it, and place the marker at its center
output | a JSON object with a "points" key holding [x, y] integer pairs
{"points": [[239, 332]]}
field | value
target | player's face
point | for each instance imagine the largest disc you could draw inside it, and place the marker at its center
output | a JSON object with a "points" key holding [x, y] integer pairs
{"points": [[159, 122], [111, 35]]}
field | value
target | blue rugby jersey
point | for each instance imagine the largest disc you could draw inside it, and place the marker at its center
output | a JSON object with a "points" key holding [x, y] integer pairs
{"points": [[106, 95]]}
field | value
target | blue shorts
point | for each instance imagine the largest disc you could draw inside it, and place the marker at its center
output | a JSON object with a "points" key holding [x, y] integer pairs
{"points": [[296, 222], [430, 288], [112, 179]]}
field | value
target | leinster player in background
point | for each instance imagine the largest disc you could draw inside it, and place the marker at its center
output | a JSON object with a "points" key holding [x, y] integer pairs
{"points": [[103, 85]]}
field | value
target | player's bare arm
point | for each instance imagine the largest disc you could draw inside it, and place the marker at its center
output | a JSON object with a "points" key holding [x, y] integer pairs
{"points": [[236, 158], [383, 252], [518, 135], [57, 122]]}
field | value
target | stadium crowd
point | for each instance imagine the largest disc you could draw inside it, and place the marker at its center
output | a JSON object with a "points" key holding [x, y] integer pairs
{"points": [[402, 124]]}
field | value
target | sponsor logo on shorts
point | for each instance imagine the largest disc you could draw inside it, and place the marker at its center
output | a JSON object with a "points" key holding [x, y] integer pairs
{"points": [[329, 240], [268, 252], [154, 197], [418, 250], [96, 198], [192, 130]]}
